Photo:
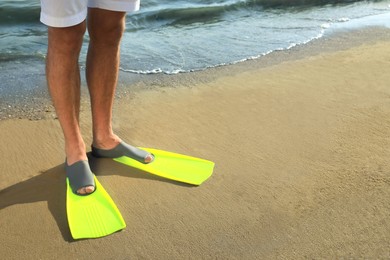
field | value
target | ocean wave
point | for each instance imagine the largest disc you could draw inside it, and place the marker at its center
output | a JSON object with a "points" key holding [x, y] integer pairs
{"points": [[167, 13], [203, 11], [10, 14]]}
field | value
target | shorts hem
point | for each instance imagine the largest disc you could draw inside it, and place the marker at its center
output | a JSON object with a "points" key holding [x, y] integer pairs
{"points": [[63, 21], [115, 6]]}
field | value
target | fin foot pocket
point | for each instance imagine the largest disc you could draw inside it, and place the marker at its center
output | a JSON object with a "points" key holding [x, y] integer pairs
{"points": [[80, 176], [123, 149]]}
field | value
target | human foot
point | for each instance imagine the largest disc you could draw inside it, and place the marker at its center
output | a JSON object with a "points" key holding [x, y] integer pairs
{"points": [[80, 177], [123, 149]]}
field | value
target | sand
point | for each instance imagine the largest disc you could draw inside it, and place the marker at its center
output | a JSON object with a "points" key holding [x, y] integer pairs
{"points": [[302, 154]]}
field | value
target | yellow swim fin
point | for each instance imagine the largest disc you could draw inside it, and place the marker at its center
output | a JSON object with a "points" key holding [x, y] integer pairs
{"points": [[94, 215], [173, 166]]}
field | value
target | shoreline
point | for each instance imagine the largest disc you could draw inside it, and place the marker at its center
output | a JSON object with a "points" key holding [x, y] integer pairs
{"points": [[34, 103], [301, 147]]}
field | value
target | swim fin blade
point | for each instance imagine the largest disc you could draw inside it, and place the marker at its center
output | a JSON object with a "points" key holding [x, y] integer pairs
{"points": [[94, 215], [173, 166]]}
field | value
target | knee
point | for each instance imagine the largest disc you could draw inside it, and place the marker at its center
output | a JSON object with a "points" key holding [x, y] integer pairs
{"points": [[68, 38], [109, 33]]}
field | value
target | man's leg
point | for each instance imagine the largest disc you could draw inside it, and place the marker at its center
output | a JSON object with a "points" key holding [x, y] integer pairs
{"points": [[63, 77], [105, 30]]}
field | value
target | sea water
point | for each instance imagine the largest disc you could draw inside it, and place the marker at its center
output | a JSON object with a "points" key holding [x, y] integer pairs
{"points": [[178, 36]]}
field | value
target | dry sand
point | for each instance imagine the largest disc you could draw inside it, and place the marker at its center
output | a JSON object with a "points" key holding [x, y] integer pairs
{"points": [[302, 153]]}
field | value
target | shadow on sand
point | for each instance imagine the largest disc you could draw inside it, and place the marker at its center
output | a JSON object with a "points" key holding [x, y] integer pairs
{"points": [[50, 186]]}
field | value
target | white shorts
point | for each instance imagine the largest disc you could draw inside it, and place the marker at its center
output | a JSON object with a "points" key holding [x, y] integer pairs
{"points": [[65, 13]]}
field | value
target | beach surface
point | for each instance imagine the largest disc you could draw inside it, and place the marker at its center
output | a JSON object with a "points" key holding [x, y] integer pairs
{"points": [[302, 154]]}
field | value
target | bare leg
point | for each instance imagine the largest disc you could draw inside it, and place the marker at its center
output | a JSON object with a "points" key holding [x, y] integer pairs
{"points": [[63, 77], [105, 30]]}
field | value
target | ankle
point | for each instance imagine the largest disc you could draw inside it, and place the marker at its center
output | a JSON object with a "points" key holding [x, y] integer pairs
{"points": [[73, 158], [106, 142], [75, 153]]}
